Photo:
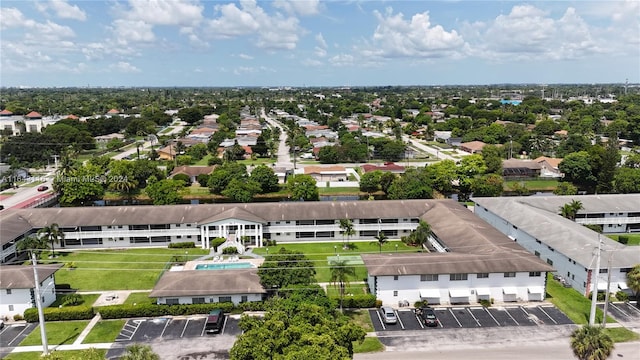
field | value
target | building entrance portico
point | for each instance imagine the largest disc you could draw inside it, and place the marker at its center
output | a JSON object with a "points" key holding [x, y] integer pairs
{"points": [[241, 231]]}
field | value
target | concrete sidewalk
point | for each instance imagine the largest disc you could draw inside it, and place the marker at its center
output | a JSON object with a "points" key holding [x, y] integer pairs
{"points": [[37, 348]]}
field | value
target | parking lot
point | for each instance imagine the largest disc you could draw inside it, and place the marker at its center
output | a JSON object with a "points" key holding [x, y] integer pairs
{"points": [[475, 317], [141, 330], [12, 335], [623, 312]]}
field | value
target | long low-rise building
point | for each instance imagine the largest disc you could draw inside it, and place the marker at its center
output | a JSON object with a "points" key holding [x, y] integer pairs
{"points": [[569, 246]]}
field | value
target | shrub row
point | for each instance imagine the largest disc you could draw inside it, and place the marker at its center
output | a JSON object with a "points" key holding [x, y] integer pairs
{"points": [[357, 301], [182, 245], [60, 314]]}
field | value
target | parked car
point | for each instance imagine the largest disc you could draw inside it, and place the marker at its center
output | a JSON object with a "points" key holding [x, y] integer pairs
{"points": [[43, 188], [388, 315], [215, 321], [428, 316]]}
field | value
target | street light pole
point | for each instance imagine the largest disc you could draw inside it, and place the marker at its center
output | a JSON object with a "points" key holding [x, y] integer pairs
{"points": [[594, 292], [43, 332]]}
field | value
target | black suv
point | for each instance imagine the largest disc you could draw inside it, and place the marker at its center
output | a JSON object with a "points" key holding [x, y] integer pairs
{"points": [[428, 316]]}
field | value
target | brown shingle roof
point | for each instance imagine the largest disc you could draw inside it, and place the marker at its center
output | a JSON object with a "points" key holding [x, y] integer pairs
{"points": [[21, 277], [192, 170], [208, 282]]}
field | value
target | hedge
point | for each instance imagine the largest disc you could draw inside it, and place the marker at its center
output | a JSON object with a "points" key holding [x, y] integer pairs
{"points": [[59, 314], [359, 301], [182, 245]]}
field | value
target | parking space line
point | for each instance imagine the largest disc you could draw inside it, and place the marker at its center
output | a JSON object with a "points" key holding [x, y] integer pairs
{"points": [[185, 327], [381, 322], [204, 328], [619, 309], [17, 336], [474, 317], [399, 320], [454, 316], [490, 314], [635, 309], [165, 327], [418, 318], [224, 325], [549, 316], [514, 320]]}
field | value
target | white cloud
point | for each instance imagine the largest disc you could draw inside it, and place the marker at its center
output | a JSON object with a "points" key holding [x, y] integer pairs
{"points": [[127, 31], [245, 56], [529, 31], [241, 70], [396, 37], [271, 31], [194, 39], [62, 9], [123, 66], [11, 18], [297, 7], [164, 12], [312, 62], [321, 49], [342, 60], [49, 32]]}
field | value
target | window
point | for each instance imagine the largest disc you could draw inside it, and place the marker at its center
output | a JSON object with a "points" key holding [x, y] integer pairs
{"points": [[603, 271], [550, 248], [625, 270], [429, 277], [538, 241], [10, 307], [197, 300], [395, 277], [549, 261], [482, 275], [395, 292], [509, 274], [537, 253], [172, 301], [244, 298], [535, 274], [8, 291], [457, 277], [224, 299]]}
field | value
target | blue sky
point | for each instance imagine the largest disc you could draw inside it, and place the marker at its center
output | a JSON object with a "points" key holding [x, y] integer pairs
{"points": [[316, 43]]}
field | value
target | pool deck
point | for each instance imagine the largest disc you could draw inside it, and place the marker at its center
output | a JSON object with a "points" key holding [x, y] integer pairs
{"points": [[191, 265]]}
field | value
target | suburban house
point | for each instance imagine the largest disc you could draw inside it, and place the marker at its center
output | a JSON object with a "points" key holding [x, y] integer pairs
{"points": [[192, 171], [208, 286], [327, 173], [167, 153], [472, 147], [386, 167], [18, 288], [549, 166], [520, 168], [534, 223], [470, 262]]}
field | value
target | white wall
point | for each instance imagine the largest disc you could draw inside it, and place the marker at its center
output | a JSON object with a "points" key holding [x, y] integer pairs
{"points": [[21, 300], [408, 287], [236, 299]]}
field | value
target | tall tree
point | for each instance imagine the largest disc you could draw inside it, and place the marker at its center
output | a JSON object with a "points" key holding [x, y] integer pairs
{"points": [[633, 281], [381, 239], [286, 268], [341, 272], [610, 160], [33, 244], [591, 343], [346, 225], [54, 235], [266, 177], [491, 155], [303, 187]]}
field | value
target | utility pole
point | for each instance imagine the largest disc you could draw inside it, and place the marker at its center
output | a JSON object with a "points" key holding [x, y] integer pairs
{"points": [[606, 297], [594, 292], [43, 332]]}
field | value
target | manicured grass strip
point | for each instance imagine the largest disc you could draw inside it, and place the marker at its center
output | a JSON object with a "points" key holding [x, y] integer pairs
{"points": [[621, 334], [128, 269], [318, 253], [340, 191], [572, 303], [634, 239], [72, 354], [360, 317], [370, 344], [105, 331], [534, 185], [139, 298], [88, 299], [58, 333], [352, 289]]}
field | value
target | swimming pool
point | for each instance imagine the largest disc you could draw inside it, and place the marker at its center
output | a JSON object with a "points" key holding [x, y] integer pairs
{"points": [[224, 266]]}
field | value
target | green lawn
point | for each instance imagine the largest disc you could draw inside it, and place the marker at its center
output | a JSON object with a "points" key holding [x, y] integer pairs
{"points": [[129, 269], [621, 334], [139, 298], [89, 299], [204, 161], [355, 289], [319, 252], [360, 317], [572, 303], [634, 239], [339, 191], [73, 354], [534, 185], [370, 344], [166, 130], [58, 333], [105, 331]]}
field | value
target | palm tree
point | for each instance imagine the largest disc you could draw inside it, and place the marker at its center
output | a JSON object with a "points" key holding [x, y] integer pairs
{"points": [[633, 282], [346, 225], [32, 244], [381, 239], [53, 234], [139, 352], [421, 233], [340, 274], [591, 343], [570, 210]]}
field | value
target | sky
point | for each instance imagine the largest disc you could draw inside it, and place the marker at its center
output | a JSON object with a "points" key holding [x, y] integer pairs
{"points": [[298, 43]]}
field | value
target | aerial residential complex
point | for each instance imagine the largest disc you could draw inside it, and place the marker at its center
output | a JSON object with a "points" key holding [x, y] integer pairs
{"points": [[570, 247]]}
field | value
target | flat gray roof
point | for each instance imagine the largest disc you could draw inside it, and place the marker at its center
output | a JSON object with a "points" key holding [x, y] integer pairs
{"points": [[538, 216], [208, 282]]}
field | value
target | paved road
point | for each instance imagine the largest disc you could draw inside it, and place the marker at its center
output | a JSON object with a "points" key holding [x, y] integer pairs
{"points": [[26, 193], [283, 156], [431, 150], [548, 350]]}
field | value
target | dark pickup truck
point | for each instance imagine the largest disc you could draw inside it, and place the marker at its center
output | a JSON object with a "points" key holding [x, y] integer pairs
{"points": [[215, 322], [428, 316]]}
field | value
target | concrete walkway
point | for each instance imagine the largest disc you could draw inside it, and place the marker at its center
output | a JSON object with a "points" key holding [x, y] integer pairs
{"points": [[87, 329], [37, 348]]}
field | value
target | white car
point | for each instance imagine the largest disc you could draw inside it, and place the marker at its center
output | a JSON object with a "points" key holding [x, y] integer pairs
{"points": [[1, 324], [388, 315]]}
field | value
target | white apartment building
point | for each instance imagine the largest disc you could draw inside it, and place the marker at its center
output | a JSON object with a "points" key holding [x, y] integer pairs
{"points": [[534, 223], [18, 288]]}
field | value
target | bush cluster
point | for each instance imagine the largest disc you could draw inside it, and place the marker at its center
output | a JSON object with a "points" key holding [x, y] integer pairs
{"points": [[182, 245], [60, 314], [623, 239], [357, 301], [230, 250]]}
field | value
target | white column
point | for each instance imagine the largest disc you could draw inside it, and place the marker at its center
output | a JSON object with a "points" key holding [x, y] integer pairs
{"points": [[260, 235], [208, 236], [202, 237]]}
